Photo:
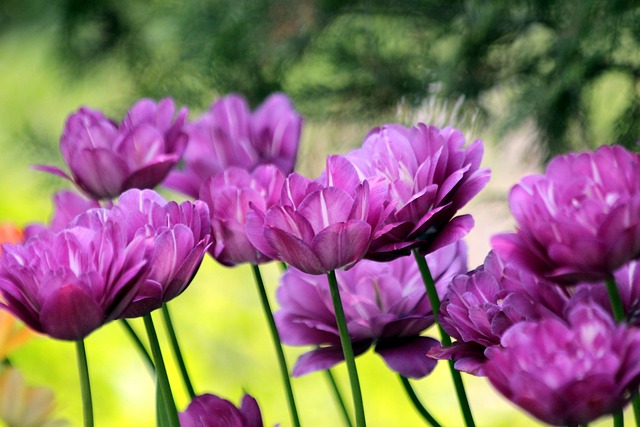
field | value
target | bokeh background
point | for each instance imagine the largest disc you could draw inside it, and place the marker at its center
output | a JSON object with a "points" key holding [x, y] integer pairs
{"points": [[531, 78]]}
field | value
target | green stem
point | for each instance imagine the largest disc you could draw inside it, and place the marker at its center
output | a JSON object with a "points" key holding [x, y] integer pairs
{"points": [[416, 402], [142, 349], [338, 396], [635, 403], [275, 336], [177, 353], [347, 350], [85, 385], [434, 299], [619, 316], [161, 373]]}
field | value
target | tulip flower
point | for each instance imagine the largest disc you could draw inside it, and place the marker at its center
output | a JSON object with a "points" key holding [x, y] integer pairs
{"points": [[567, 373], [106, 159], [579, 221], [69, 283], [423, 176], [208, 410], [232, 194], [178, 236], [316, 227], [480, 306], [229, 135], [385, 306]]}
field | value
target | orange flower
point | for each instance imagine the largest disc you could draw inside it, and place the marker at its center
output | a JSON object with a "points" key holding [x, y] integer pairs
{"points": [[9, 233]]}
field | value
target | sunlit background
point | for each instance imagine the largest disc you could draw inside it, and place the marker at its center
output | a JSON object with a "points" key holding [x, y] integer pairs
{"points": [[530, 78]]}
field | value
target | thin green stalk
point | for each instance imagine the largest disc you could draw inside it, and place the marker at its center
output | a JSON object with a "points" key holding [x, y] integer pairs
{"points": [[432, 293], [635, 403], [618, 315], [142, 349], [85, 385], [275, 336], [177, 353], [416, 402], [161, 373], [347, 350], [338, 395]]}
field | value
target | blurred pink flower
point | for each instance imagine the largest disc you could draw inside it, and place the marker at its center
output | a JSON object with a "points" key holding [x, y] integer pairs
{"points": [[580, 221], [106, 159], [208, 410]]}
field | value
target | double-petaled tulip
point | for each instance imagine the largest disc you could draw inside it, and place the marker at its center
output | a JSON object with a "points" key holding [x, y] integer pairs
{"points": [[385, 306], [229, 135], [178, 235], [567, 373], [230, 195], [480, 306], [66, 284], [317, 226], [424, 175], [580, 221], [106, 159], [208, 410]]}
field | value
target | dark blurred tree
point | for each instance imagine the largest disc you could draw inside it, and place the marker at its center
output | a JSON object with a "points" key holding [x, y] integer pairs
{"points": [[347, 58]]}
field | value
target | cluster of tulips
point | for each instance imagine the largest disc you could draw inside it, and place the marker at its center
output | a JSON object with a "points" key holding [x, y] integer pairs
{"points": [[372, 251]]}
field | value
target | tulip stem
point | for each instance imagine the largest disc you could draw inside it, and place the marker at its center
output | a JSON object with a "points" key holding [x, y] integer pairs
{"points": [[177, 353], [416, 402], [619, 316], [275, 336], [85, 385], [338, 396], [635, 403], [142, 349], [161, 373], [434, 299], [347, 349]]}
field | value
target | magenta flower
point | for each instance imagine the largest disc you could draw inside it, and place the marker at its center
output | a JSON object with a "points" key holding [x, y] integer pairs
{"points": [[567, 373], [67, 205], [385, 306], [228, 135], [69, 283], [480, 306], [230, 195], [316, 227], [580, 220], [627, 279], [106, 159], [208, 410], [423, 176], [179, 237]]}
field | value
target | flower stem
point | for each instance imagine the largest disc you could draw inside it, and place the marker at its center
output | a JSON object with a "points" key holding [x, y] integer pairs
{"points": [[173, 339], [138, 343], [416, 402], [338, 396], [161, 373], [434, 299], [275, 336], [347, 349], [619, 316], [85, 385]]}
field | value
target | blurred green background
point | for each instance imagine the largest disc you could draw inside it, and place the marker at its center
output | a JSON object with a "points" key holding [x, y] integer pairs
{"points": [[531, 78]]}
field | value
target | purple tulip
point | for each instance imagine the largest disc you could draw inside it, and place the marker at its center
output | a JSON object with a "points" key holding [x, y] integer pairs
{"points": [[567, 373], [628, 282], [106, 159], [230, 195], [385, 306], [424, 176], [580, 220], [179, 236], [67, 205], [480, 306], [66, 284], [228, 135], [208, 410], [318, 226]]}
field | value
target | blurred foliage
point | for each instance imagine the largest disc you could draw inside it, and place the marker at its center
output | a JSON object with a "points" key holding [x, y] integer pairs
{"points": [[346, 59]]}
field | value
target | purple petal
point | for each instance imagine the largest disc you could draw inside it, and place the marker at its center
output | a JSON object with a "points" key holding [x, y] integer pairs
{"points": [[408, 357]]}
